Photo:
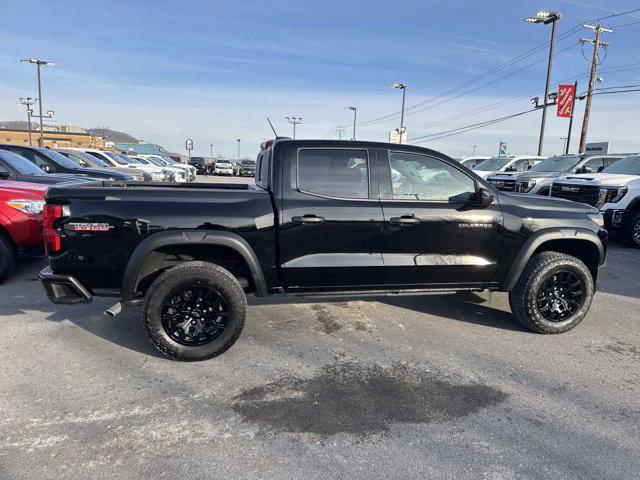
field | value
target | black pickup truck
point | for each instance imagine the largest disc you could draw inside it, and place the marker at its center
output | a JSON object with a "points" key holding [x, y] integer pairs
{"points": [[323, 216]]}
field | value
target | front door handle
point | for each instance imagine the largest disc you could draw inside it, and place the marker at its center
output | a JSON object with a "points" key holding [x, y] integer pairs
{"points": [[307, 219], [405, 220]]}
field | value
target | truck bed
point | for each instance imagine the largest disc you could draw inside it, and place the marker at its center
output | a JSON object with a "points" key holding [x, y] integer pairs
{"points": [[107, 220]]}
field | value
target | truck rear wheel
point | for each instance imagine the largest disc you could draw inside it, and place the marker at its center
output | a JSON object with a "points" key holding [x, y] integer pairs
{"points": [[194, 311], [631, 232], [553, 294], [7, 258]]}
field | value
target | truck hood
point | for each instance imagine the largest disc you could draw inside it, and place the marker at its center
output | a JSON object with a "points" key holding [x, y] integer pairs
{"points": [[52, 178], [504, 175], [529, 175], [536, 204], [100, 173], [609, 179]]}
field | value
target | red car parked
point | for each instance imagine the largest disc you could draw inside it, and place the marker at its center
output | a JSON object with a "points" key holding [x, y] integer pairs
{"points": [[21, 215]]}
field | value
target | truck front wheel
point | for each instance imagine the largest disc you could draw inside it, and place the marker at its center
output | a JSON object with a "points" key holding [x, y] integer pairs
{"points": [[631, 231], [553, 294], [194, 311]]}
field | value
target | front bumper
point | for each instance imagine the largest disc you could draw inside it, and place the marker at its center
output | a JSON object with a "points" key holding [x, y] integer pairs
{"points": [[63, 289]]}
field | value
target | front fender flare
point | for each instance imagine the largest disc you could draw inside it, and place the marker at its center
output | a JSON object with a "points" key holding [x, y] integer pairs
{"points": [[541, 237], [155, 241]]}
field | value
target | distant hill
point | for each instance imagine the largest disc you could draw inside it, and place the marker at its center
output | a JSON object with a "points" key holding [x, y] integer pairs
{"points": [[112, 135]]}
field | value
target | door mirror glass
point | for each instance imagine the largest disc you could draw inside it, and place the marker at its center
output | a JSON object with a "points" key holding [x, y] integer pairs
{"points": [[4, 173]]}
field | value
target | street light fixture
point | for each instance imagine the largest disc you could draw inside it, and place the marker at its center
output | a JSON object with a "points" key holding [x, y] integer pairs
{"points": [[355, 112], [403, 87], [28, 102], [294, 121], [546, 18], [38, 64]]}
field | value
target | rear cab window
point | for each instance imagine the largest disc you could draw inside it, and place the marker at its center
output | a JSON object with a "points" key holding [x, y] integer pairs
{"points": [[333, 172]]}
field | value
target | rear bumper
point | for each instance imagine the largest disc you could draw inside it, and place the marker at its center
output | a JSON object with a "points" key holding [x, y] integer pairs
{"points": [[63, 289]]}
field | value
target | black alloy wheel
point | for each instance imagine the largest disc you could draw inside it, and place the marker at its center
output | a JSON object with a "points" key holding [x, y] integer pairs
{"points": [[560, 296], [195, 315]]}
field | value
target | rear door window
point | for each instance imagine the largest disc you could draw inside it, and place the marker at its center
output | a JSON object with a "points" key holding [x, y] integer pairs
{"points": [[340, 173]]}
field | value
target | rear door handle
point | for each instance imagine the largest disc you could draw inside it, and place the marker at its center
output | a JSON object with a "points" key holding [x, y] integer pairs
{"points": [[405, 220], [307, 219]]}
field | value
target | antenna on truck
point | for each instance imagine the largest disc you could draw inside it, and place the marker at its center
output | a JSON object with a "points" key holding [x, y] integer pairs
{"points": [[271, 125]]}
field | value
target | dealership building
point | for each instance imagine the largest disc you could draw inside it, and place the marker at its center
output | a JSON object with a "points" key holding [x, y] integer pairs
{"points": [[64, 137]]}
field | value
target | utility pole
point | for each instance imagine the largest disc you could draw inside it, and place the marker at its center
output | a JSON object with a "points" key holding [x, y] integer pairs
{"points": [[28, 102], [211, 145], [294, 121], [597, 43], [546, 18], [355, 112], [340, 131], [38, 64], [573, 107], [238, 150]]}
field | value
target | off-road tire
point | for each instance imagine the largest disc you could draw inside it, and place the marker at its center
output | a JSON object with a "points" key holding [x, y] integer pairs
{"points": [[185, 274], [627, 232], [7, 258], [523, 297]]}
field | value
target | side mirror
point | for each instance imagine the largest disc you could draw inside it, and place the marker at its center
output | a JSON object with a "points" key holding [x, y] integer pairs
{"points": [[47, 168], [4, 173], [482, 198], [600, 168]]}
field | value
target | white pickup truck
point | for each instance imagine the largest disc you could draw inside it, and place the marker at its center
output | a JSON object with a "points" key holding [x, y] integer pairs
{"points": [[615, 191]]}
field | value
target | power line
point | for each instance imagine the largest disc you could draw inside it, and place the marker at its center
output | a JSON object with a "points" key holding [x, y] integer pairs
{"points": [[410, 110]]}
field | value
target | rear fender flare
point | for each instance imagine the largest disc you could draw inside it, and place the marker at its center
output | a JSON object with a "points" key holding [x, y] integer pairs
{"points": [[155, 241], [541, 237]]}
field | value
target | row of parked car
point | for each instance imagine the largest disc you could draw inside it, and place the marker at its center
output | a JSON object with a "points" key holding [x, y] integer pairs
{"points": [[25, 173], [223, 166], [610, 183]]}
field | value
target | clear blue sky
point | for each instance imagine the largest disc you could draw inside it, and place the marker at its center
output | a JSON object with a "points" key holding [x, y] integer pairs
{"points": [[165, 71]]}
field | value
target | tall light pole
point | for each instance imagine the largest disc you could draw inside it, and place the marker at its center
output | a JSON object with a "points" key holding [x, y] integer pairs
{"points": [[403, 87], [355, 113], [38, 64], [546, 18], [474, 150], [28, 102], [294, 121], [211, 145], [238, 150]]}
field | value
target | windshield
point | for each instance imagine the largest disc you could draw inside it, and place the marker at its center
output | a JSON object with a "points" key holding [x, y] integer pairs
{"points": [[155, 161], [626, 166], [560, 163], [248, 162], [81, 159], [20, 164], [58, 158], [492, 164], [112, 156], [223, 162]]}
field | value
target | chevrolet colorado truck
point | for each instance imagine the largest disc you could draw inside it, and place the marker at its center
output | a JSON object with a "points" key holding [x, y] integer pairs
{"points": [[323, 216], [615, 191]]}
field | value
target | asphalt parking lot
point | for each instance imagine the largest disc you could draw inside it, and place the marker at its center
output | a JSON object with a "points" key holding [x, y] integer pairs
{"points": [[373, 387]]}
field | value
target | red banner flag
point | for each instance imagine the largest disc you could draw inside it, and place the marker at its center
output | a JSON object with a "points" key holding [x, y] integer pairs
{"points": [[566, 97]]}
